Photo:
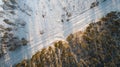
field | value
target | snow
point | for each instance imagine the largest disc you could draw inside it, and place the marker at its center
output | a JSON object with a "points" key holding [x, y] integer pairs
{"points": [[51, 24], [1, 2]]}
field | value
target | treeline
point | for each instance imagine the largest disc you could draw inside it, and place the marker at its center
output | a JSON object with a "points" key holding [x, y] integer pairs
{"points": [[97, 46]]}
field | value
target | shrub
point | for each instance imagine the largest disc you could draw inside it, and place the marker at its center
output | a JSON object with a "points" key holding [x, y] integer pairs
{"points": [[94, 4], [8, 29], [62, 20], [69, 14], [13, 1], [24, 41], [67, 19], [104, 19], [12, 12], [69, 38], [8, 22], [12, 48]]}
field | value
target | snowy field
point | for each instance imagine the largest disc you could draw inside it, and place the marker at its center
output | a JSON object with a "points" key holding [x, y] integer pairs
{"points": [[45, 16]]}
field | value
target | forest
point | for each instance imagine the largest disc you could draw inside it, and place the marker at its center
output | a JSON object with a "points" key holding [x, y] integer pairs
{"points": [[97, 46]]}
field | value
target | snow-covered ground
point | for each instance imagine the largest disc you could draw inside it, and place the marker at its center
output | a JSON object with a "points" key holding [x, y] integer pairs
{"points": [[45, 16]]}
